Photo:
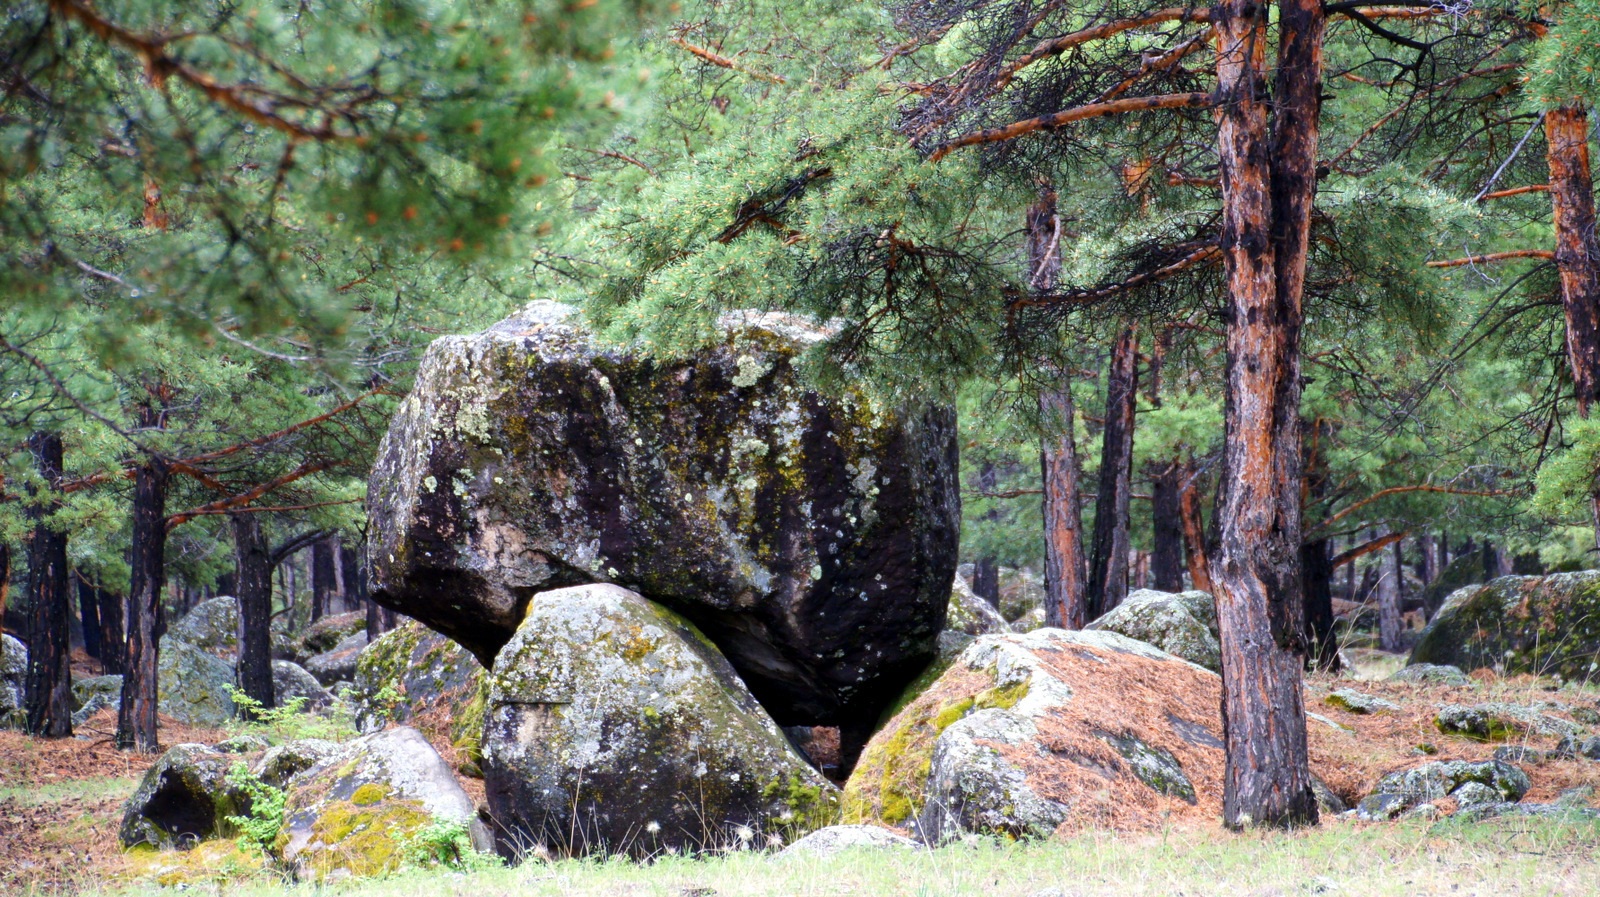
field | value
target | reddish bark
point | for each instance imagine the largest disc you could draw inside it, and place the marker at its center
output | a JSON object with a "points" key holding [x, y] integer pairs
{"points": [[1108, 559], [136, 721], [1268, 184], [1194, 531]]}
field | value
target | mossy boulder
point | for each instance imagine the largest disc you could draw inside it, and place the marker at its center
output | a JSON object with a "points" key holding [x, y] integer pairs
{"points": [[212, 626], [970, 614], [338, 664], [1471, 783], [193, 687], [355, 813], [324, 635], [1502, 721], [811, 537], [214, 864], [290, 680], [93, 694], [615, 726], [1027, 732], [1549, 625], [184, 798], [416, 676], [13, 671], [1183, 624], [1021, 593]]}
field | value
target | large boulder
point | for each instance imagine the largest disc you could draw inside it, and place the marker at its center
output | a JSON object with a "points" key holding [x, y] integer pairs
{"points": [[1548, 625], [970, 614], [614, 726], [94, 694], [339, 663], [291, 680], [13, 671], [1021, 593], [1025, 732], [416, 676], [193, 687], [811, 538], [353, 813], [212, 626], [324, 635], [1182, 624], [184, 798]]}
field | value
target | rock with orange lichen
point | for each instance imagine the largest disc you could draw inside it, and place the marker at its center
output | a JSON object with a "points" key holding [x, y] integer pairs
{"points": [[1025, 733]]}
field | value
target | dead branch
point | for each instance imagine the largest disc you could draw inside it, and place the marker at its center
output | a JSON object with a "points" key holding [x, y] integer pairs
{"points": [[1067, 116]]}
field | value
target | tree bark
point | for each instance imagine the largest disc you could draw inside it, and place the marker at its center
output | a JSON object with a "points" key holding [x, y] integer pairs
{"points": [[986, 572], [322, 578], [1194, 531], [1390, 625], [113, 643], [89, 610], [1267, 190], [1065, 587], [136, 722], [1108, 560], [47, 690], [1166, 518], [252, 559]]}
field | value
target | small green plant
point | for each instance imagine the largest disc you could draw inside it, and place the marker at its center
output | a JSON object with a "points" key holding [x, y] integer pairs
{"points": [[448, 843], [385, 704], [261, 827], [292, 721]]}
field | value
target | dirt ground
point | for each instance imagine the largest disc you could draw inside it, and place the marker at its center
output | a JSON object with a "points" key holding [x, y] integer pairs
{"points": [[61, 801]]}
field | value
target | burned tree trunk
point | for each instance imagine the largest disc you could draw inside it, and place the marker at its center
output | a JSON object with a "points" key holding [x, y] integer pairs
{"points": [[1194, 530], [1108, 560], [252, 559], [89, 611], [322, 579], [986, 571], [47, 691], [113, 643], [1166, 518], [1267, 189], [136, 721]]}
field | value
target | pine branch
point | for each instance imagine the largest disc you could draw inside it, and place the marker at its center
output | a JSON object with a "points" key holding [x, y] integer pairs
{"points": [[1058, 45], [1495, 257], [249, 495], [1396, 490], [727, 63], [1516, 191], [1067, 116]]}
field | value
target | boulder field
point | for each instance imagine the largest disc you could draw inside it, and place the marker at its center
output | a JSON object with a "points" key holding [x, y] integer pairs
{"points": [[810, 537]]}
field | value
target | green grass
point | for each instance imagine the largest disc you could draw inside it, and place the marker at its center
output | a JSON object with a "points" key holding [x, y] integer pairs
{"points": [[34, 795], [1523, 857]]}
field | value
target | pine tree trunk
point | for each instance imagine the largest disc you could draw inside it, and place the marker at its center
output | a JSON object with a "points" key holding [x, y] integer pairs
{"points": [[986, 572], [1267, 189], [47, 691], [1166, 519], [1389, 623], [136, 721], [113, 644], [1194, 530], [1316, 579], [89, 610], [5, 579], [252, 560], [323, 585], [1577, 256], [1108, 560], [1064, 583]]}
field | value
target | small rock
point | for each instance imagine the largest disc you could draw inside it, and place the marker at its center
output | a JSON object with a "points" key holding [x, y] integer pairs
{"points": [[1399, 791], [1432, 673], [1422, 812], [94, 694], [837, 838], [1474, 794], [1499, 721], [1353, 701], [1586, 715], [242, 744], [1520, 753]]}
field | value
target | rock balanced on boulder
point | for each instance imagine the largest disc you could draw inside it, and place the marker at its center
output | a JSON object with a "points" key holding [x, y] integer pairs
{"points": [[811, 538]]}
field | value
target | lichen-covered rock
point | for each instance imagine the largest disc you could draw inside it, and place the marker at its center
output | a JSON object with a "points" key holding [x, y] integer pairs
{"points": [[325, 634], [1182, 624], [1028, 622], [811, 538], [91, 695], [338, 664], [1499, 721], [184, 798], [1352, 701], [1548, 625], [354, 813], [1432, 673], [215, 865], [279, 764], [614, 726], [840, 838], [416, 676], [212, 626], [193, 687], [970, 614], [290, 680], [13, 670], [1021, 593], [1026, 732], [1487, 781]]}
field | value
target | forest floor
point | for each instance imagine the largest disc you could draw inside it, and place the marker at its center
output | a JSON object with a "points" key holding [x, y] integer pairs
{"points": [[61, 804]]}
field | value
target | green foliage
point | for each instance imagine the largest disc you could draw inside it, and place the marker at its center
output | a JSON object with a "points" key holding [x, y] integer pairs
{"points": [[291, 721], [260, 828], [447, 843], [1561, 68]]}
